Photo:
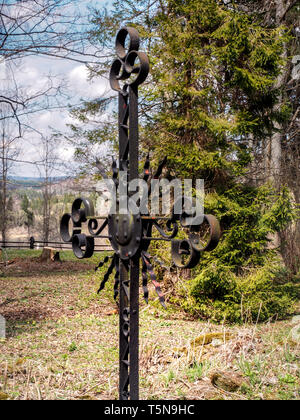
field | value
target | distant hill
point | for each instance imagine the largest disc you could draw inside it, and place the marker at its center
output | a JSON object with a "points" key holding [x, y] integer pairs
{"points": [[16, 182], [60, 185], [35, 179]]}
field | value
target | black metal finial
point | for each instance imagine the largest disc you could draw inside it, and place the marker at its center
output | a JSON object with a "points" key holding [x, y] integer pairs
{"points": [[126, 64]]}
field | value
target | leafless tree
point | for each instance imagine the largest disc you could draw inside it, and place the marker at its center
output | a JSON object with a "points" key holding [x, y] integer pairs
{"points": [[9, 151], [55, 28], [51, 28], [49, 165]]}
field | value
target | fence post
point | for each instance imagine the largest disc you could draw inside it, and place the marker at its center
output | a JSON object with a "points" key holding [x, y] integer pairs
{"points": [[32, 241]]}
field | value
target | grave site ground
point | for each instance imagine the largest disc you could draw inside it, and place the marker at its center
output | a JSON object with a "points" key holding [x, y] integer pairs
{"points": [[62, 342]]}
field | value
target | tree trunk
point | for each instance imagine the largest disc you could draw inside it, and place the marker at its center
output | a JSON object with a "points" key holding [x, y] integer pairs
{"points": [[274, 148], [50, 255], [3, 190]]}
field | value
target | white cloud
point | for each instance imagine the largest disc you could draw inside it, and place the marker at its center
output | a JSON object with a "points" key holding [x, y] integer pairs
{"points": [[78, 80]]}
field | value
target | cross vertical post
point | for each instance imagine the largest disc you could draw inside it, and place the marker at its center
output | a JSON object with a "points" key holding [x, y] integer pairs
{"points": [[123, 67], [135, 262]]}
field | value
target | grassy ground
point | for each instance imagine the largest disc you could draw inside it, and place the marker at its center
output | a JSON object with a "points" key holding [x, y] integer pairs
{"points": [[62, 343]]}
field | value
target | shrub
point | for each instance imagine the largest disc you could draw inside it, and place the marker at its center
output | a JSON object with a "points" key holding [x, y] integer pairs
{"points": [[219, 294]]}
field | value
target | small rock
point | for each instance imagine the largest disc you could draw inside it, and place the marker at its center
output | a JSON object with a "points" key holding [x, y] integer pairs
{"points": [[203, 340], [85, 397], [3, 396], [270, 381], [113, 312], [207, 391], [296, 320], [296, 334], [228, 381], [216, 342]]}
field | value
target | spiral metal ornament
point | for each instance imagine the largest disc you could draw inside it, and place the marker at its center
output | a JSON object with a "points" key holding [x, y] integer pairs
{"points": [[131, 64]]}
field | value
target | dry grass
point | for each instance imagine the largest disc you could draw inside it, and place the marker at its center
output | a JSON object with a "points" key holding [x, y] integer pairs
{"points": [[62, 343]]}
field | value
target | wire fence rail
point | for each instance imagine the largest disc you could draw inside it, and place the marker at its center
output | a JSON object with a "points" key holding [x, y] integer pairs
{"points": [[36, 244]]}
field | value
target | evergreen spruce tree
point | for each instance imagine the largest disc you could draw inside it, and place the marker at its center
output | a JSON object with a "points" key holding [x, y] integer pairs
{"points": [[211, 101], [214, 70]]}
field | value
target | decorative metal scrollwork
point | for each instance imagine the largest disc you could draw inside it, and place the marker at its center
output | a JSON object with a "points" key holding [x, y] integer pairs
{"points": [[83, 245], [125, 67], [130, 235]]}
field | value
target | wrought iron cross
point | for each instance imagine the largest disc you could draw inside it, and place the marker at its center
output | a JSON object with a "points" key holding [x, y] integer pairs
{"points": [[131, 234]]}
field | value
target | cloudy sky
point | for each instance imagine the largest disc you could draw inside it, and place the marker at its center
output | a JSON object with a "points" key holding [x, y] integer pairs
{"points": [[34, 72], [31, 74]]}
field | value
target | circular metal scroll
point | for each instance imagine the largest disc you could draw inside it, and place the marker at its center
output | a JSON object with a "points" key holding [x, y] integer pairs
{"points": [[126, 63], [214, 234], [196, 244], [140, 70], [184, 249], [79, 213], [64, 228], [134, 43], [83, 246]]}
